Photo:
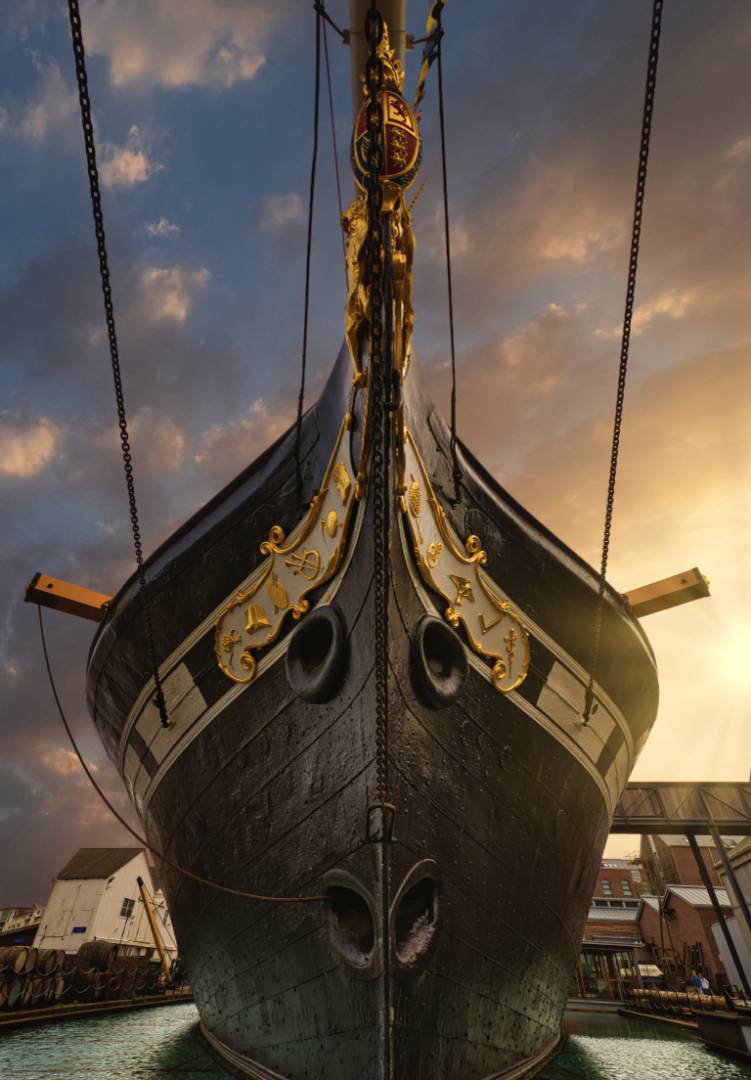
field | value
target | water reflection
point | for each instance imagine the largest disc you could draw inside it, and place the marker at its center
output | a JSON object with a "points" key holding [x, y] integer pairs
{"points": [[154, 1044], [604, 1047], [146, 1044]]}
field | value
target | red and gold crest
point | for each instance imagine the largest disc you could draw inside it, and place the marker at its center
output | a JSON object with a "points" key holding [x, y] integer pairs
{"points": [[402, 146], [401, 141]]}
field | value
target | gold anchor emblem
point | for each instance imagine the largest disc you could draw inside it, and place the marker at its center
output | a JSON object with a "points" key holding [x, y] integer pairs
{"points": [[256, 618], [463, 589], [307, 563]]}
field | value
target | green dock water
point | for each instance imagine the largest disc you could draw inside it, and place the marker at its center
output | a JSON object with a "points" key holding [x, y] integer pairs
{"points": [[151, 1044]]}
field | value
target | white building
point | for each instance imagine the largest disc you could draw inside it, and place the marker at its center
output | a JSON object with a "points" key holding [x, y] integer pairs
{"points": [[740, 860], [19, 918], [96, 896]]}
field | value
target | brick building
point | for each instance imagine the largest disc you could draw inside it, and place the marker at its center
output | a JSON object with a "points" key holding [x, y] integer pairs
{"points": [[612, 946], [683, 940], [668, 860]]}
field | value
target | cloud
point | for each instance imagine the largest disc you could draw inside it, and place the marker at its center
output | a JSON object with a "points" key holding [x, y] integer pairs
{"points": [[280, 211], [672, 303], [224, 449], [169, 291], [123, 166], [50, 111], [740, 149], [162, 227], [160, 440], [178, 43], [26, 447], [63, 762], [581, 241]]}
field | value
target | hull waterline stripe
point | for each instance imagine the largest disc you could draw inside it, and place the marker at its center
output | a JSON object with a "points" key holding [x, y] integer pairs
{"points": [[243, 1064]]}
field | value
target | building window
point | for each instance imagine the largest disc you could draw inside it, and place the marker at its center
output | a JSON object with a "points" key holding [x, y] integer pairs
{"points": [[600, 903], [127, 909], [607, 888], [626, 887]]}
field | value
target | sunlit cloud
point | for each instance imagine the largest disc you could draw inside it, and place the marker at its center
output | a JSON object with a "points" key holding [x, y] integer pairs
{"points": [[49, 112], [162, 227], [123, 166], [581, 245], [26, 447], [740, 149], [224, 449], [169, 291], [671, 304], [178, 43], [280, 211]]}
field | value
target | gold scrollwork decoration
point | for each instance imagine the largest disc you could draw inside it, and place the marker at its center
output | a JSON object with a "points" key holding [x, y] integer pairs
{"points": [[294, 565], [474, 601]]}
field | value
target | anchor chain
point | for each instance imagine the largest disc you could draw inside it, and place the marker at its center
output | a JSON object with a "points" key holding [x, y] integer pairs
{"points": [[633, 263], [109, 313], [374, 78]]}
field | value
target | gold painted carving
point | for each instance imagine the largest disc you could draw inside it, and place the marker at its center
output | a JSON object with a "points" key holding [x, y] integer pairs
{"points": [[277, 593], [256, 618], [330, 525], [433, 554], [342, 482], [357, 305], [485, 628], [473, 599], [463, 589], [293, 567]]}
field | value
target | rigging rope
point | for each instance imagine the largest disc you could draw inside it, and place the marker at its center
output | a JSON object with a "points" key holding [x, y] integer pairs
{"points": [[321, 9], [311, 201], [431, 40], [641, 180], [141, 840], [109, 312], [456, 470], [333, 146]]}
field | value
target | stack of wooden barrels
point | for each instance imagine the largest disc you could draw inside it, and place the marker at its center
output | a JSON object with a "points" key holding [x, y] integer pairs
{"points": [[38, 978]]}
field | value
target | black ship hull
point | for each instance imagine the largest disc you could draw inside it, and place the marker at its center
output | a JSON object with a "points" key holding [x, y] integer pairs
{"points": [[503, 800]]}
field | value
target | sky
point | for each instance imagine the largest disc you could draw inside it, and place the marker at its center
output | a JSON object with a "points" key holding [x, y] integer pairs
{"points": [[203, 116]]}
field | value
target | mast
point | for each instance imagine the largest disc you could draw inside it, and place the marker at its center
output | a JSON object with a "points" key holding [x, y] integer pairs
{"points": [[395, 14]]}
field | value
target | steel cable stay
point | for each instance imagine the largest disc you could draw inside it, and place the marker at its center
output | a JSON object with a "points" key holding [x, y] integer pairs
{"points": [[244, 894], [641, 180], [109, 310], [309, 247], [456, 468], [332, 120]]}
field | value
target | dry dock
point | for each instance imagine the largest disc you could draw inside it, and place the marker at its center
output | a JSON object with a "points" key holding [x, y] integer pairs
{"points": [[158, 1043]]}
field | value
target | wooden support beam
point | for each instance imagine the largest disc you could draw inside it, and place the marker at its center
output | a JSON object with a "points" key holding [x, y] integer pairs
{"points": [[667, 593], [147, 902], [62, 596]]}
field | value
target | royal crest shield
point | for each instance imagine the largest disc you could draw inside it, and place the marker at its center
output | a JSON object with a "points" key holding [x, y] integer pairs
{"points": [[402, 146]]}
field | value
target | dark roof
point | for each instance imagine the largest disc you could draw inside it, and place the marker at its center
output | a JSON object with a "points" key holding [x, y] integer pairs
{"points": [[97, 862]]}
